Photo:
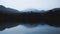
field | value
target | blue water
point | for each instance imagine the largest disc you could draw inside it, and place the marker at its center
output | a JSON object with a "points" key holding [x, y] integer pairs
{"points": [[40, 29]]}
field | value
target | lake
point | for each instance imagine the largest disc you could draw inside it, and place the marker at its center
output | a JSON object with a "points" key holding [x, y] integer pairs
{"points": [[26, 29]]}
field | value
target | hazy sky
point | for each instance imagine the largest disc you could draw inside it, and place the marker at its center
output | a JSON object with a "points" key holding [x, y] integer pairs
{"points": [[24, 4]]}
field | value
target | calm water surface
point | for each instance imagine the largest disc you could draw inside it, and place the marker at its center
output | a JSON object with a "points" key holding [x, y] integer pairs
{"points": [[40, 29]]}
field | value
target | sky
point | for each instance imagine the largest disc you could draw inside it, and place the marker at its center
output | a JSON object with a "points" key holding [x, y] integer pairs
{"points": [[40, 29], [26, 4]]}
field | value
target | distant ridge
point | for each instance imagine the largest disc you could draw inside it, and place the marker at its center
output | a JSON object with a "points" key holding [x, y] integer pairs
{"points": [[8, 10]]}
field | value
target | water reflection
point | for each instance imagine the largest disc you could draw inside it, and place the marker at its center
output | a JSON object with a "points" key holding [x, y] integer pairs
{"points": [[40, 29]]}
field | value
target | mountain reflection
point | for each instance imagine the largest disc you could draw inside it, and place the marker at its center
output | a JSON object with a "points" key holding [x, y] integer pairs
{"points": [[40, 29], [11, 17]]}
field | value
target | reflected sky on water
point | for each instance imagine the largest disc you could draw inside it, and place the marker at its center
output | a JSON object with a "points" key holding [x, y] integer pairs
{"points": [[40, 29]]}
